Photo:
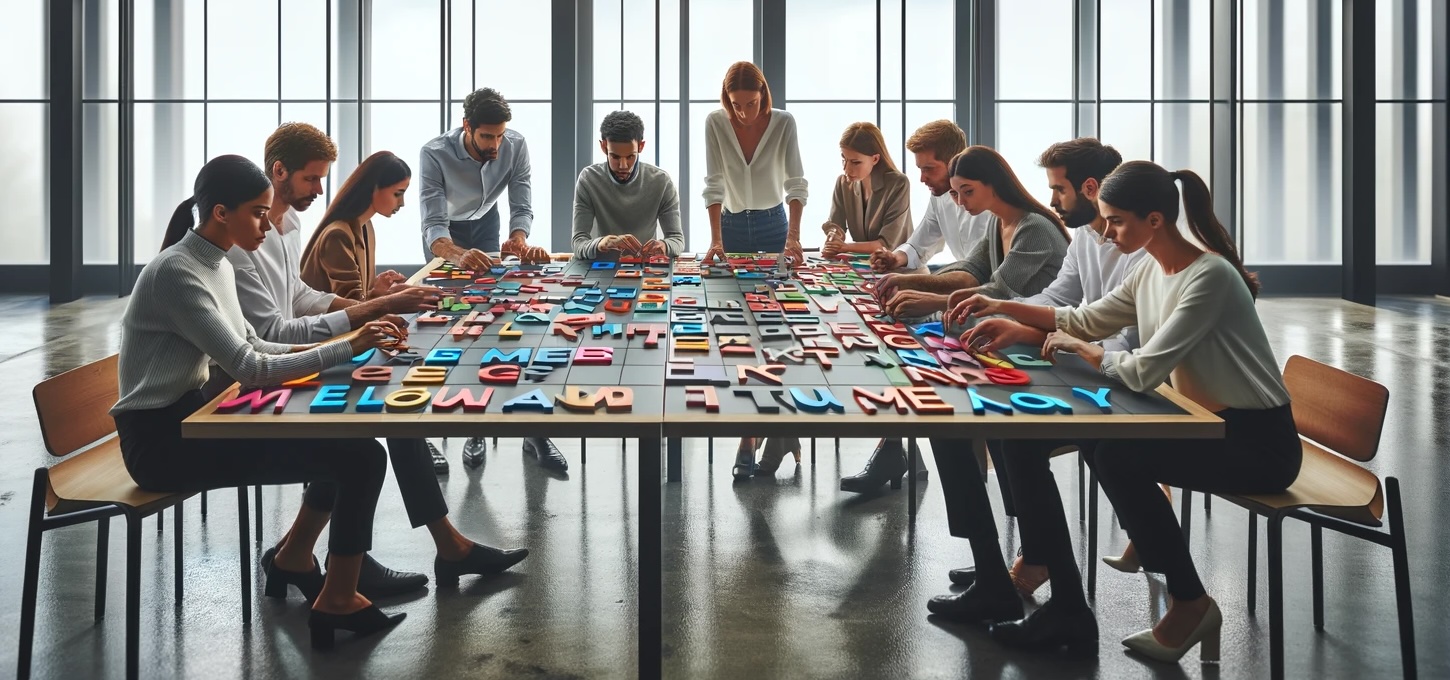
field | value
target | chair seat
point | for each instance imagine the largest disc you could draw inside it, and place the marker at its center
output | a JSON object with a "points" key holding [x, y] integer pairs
{"points": [[98, 477], [1328, 484]]}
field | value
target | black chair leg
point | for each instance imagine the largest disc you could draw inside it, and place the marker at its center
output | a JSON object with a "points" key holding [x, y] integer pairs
{"points": [[160, 522], [177, 550], [838, 446], [583, 451], [1092, 531], [1403, 603], [32, 574], [710, 451], [203, 506], [1253, 578], [133, 596], [245, 551], [1207, 504], [1186, 521], [258, 496], [1316, 557], [1276, 597], [813, 452], [103, 550], [911, 463], [1081, 489]]}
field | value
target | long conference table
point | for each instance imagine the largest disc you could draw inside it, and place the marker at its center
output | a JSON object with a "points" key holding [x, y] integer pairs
{"points": [[659, 350]]}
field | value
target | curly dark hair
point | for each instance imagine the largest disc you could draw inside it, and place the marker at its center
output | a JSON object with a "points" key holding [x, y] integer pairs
{"points": [[621, 126], [486, 106]]}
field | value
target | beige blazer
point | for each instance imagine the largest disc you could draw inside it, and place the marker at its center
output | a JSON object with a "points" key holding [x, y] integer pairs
{"points": [[886, 217], [340, 260]]}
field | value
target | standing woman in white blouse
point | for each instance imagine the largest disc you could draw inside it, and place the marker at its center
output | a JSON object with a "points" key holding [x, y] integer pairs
{"points": [[753, 170], [1196, 319]]}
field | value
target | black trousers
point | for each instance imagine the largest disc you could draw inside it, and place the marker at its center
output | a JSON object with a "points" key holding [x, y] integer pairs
{"points": [[969, 510], [412, 466], [1260, 453], [1040, 516], [160, 460]]}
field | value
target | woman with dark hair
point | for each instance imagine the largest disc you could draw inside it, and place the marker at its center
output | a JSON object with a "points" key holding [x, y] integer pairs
{"points": [[341, 256], [183, 310], [1020, 255], [872, 200], [1196, 320]]}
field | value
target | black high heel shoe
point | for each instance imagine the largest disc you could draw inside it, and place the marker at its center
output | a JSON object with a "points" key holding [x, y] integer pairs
{"points": [[362, 622], [309, 582], [887, 465], [480, 560]]}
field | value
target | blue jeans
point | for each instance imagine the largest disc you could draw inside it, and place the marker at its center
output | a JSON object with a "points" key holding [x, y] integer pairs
{"points": [[482, 233], [754, 231]]}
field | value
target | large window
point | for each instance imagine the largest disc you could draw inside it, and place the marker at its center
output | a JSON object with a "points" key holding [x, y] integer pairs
{"points": [[721, 34], [23, 110], [1409, 97]]}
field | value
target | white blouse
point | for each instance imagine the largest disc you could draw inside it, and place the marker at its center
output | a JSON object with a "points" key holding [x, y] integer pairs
{"points": [[775, 170]]}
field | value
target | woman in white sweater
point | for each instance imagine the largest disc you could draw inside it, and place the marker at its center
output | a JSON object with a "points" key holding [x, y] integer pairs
{"points": [[183, 310], [1197, 323]]}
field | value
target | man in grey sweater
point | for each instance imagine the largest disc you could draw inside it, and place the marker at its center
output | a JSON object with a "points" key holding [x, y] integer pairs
{"points": [[618, 202]]}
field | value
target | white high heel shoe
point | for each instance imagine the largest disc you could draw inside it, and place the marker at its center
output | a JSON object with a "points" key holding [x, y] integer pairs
{"points": [[1207, 633], [1127, 565]]}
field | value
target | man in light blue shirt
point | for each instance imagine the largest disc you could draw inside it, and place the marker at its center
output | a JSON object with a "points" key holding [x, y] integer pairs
{"points": [[464, 173]]}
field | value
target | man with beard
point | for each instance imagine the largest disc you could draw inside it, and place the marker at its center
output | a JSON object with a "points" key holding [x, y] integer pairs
{"points": [[462, 174], [617, 203]]}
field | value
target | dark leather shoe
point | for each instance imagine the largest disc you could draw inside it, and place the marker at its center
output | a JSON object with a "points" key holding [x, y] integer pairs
{"points": [[375, 581], [362, 622], [549, 455], [440, 463], [964, 576], [309, 582], [975, 605], [480, 560], [886, 466], [474, 449], [1052, 628]]}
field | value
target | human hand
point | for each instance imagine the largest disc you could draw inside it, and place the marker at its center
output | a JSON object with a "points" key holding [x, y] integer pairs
{"points": [[475, 260], [409, 299], [994, 334], [384, 282], [1058, 341], [914, 303], [716, 252], [884, 260], [372, 335], [653, 248], [625, 243], [793, 250], [965, 304], [886, 287], [526, 253], [398, 322]]}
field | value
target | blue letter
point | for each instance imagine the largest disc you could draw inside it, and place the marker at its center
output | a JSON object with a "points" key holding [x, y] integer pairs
{"points": [[822, 402], [1037, 404], [443, 356], [532, 401], [330, 399], [367, 404], [1098, 398], [980, 404]]}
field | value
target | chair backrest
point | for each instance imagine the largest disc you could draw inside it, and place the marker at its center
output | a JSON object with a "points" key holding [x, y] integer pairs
{"points": [[74, 407], [1341, 411]]}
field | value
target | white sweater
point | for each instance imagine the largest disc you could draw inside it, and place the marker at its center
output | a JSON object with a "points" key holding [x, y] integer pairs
{"points": [[1090, 271], [184, 309], [1200, 325], [774, 171], [945, 224]]}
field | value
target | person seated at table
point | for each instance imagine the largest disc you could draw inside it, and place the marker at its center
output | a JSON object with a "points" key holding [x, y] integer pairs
{"points": [[1195, 314], [1020, 254], [183, 310], [872, 199], [617, 203], [272, 277], [944, 224], [341, 256]]}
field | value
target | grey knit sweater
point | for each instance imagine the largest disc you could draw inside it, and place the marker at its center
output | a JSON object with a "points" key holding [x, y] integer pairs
{"points": [[604, 206], [1031, 265]]}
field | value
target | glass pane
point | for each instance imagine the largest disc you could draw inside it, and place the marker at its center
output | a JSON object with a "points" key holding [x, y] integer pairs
{"points": [[304, 50], [23, 51], [664, 142], [507, 30], [1183, 69], [891, 52], [1291, 49], [345, 133], [699, 220], [100, 45], [670, 49], [721, 33], [462, 61], [241, 49], [345, 49], [1404, 49], [608, 40], [841, 67], [1291, 184], [1405, 180], [929, 49], [405, 50], [1184, 138], [534, 121], [402, 129], [1124, 49], [240, 129], [22, 145], [169, 153], [100, 183], [820, 127], [169, 52], [1024, 131], [1128, 128], [1034, 50], [639, 50]]}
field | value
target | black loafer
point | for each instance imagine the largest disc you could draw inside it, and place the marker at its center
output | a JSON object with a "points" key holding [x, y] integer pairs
{"points": [[375, 581], [549, 455], [474, 449], [1050, 629], [975, 605], [480, 560], [964, 576]]}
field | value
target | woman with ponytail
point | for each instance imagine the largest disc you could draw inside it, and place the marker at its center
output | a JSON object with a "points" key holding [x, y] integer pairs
{"points": [[183, 311], [1198, 326]]}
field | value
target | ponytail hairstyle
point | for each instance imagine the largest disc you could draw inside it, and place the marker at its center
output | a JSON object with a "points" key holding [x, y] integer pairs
{"points": [[380, 170], [226, 181], [983, 164], [1143, 187], [866, 139]]}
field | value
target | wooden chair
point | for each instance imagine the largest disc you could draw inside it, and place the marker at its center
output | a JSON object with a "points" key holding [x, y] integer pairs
{"points": [[94, 486], [1339, 416]]}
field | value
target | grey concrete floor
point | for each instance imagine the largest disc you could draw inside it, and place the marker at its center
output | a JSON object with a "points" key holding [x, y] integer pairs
{"points": [[789, 578]]}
